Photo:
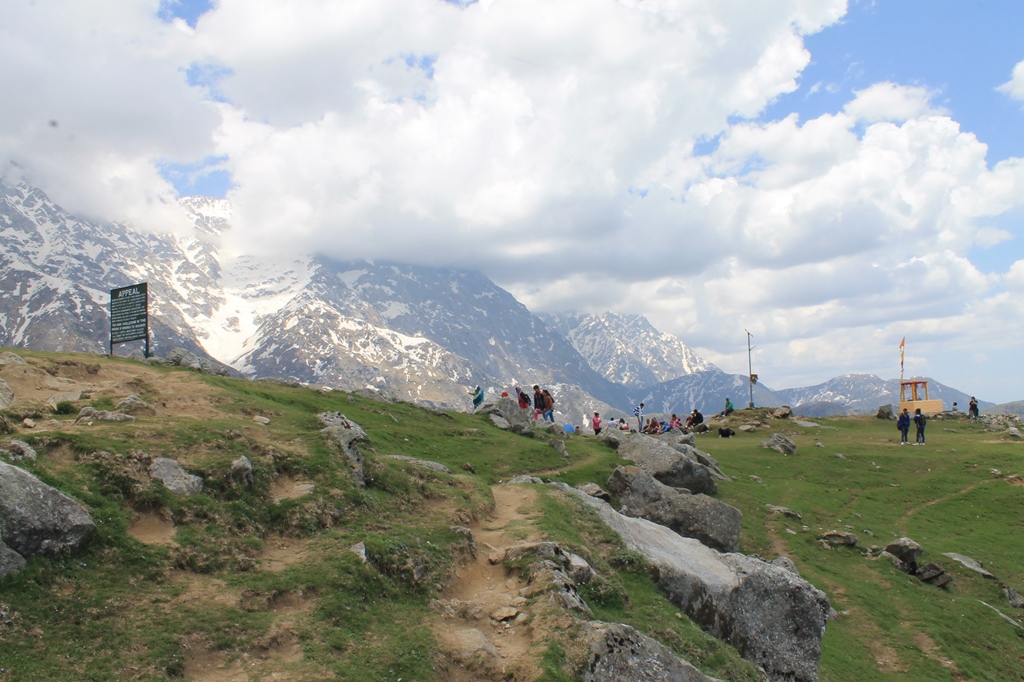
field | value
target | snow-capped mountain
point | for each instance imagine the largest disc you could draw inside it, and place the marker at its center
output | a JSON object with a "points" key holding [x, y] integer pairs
{"points": [[627, 349], [414, 333]]}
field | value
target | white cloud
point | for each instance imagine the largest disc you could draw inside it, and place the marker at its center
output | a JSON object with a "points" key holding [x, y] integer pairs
{"points": [[551, 145], [1015, 86]]}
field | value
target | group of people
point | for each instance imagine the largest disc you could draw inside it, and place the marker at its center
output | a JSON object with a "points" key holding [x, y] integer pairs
{"points": [[903, 424], [652, 426], [542, 402]]}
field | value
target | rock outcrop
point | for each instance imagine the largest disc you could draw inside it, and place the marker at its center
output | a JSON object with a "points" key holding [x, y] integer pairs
{"points": [[667, 464], [618, 653], [713, 522], [38, 519], [343, 434], [774, 618]]}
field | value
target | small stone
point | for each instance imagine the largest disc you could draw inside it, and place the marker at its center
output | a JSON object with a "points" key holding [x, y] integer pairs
{"points": [[504, 613], [28, 423], [260, 419]]}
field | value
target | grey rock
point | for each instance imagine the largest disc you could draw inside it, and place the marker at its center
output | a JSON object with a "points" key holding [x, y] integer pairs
{"points": [[260, 419], [1016, 601], [524, 478], [135, 405], [16, 450], [836, 537], [241, 471], [906, 550], [579, 569], [668, 465], [747, 428], [550, 577], [886, 412], [6, 395], [786, 563], [618, 653], [614, 437], [806, 424], [179, 357], [64, 397], [789, 513], [424, 463], [10, 561], [594, 490], [712, 522], [773, 618], [559, 446], [784, 412], [174, 478], [779, 443], [38, 519], [520, 421], [91, 414], [343, 434], [1015, 432], [500, 422], [970, 563], [9, 358]]}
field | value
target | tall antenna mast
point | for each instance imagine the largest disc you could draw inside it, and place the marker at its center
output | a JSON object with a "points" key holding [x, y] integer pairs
{"points": [[750, 370]]}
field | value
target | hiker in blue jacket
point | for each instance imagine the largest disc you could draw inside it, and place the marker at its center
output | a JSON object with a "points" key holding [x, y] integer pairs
{"points": [[903, 424], [478, 397], [919, 421]]}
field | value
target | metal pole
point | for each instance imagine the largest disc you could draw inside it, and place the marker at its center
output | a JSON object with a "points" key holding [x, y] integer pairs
{"points": [[750, 371]]}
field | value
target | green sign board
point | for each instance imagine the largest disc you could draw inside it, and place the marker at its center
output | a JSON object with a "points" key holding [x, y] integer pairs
{"points": [[129, 315]]}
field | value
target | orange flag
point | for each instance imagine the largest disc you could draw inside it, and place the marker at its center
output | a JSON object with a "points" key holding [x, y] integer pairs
{"points": [[902, 343]]}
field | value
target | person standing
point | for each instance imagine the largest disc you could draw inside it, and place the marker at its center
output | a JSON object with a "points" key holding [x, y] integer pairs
{"points": [[972, 409], [549, 406], [478, 397], [538, 403], [524, 400], [638, 412], [903, 424], [919, 422], [596, 424]]}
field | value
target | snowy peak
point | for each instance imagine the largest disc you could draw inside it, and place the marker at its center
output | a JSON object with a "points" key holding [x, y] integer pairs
{"points": [[627, 349]]}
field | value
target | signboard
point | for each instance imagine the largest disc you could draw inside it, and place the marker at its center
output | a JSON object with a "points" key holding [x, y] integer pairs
{"points": [[129, 315], [753, 378]]}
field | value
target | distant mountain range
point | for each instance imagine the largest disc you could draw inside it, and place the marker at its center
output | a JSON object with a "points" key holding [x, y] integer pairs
{"points": [[408, 332]]}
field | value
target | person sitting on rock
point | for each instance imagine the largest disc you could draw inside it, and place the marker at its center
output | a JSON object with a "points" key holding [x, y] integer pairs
{"points": [[675, 423], [623, 426], [694, 419], [728, 408], [652, 427]]}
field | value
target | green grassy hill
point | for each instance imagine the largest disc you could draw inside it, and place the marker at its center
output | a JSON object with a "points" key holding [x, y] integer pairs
{"points": [[260, 583]]}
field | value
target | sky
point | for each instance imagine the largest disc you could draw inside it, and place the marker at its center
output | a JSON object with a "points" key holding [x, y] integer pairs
{"points": [[830, 175]]}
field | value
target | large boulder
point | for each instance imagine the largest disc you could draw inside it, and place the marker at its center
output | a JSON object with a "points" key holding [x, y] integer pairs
{"points": [[712, 522], [774, 618], [779, 443], [519, 420], [886, 412], [667, 464], [38, 519], [618, 653]]}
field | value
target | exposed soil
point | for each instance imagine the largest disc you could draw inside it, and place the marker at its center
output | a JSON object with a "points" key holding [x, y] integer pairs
{"points": [[152, 529], [478, 644], [287, 488], [175, 394]]}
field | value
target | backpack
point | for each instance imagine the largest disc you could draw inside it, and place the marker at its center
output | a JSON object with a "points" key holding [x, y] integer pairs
{"points": [[526, 399]]}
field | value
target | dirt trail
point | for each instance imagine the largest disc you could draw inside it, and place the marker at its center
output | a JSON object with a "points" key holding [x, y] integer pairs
{"points": [[484, 626]]}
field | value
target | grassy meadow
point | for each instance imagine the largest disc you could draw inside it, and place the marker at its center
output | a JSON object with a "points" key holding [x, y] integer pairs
{"points": [[265, 580]]}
